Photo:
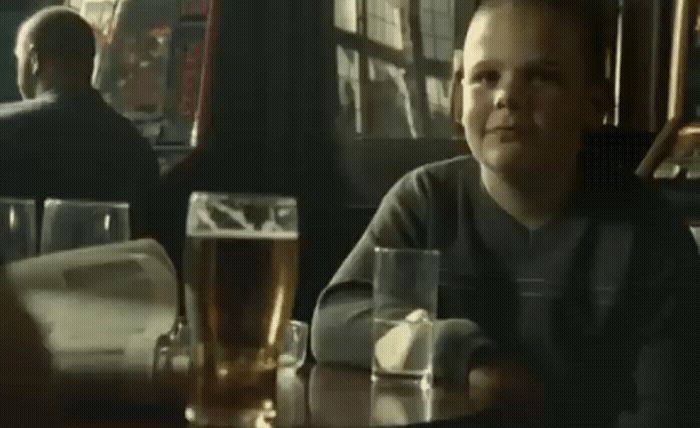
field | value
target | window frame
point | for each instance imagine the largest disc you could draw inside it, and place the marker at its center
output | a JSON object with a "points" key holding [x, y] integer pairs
{"points": [[418, 70], [676, 138]]}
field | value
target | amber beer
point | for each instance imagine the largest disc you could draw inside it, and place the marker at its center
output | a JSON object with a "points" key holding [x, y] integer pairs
{"points": [[242, 284]]}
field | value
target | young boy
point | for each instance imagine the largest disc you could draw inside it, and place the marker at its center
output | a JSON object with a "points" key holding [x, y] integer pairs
{"points": [[529, 208]]}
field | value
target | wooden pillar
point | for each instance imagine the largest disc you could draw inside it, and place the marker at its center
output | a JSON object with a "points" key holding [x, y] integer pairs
{"points": [[202, 121], [645, 57]]}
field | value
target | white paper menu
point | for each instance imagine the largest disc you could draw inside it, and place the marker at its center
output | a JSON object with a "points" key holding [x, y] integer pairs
{"points": [[102, 308]]}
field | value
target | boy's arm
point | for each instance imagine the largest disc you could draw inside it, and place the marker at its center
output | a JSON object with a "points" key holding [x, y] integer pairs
{"points": [[342, 324]]}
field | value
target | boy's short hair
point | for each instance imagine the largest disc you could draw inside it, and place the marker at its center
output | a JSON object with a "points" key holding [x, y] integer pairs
{"points": [[588, 14]]}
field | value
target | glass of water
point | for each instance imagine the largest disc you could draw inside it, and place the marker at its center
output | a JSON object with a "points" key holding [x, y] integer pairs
{"points": [[405, 305], [69, 224], [17, 229]]}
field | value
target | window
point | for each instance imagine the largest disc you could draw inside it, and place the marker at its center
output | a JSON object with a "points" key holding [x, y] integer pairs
{"points": [[439, 93], [350, 118], [390, 107], [394, 60], [384, 23], [149, 61], [99, 13], [438, 28], [346, 15]]}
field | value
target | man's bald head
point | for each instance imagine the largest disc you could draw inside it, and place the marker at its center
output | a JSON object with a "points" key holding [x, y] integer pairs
{"points": [[57, 45]]}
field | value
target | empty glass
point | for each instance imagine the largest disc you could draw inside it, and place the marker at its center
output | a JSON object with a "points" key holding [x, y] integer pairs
{"points": [[69, 224], [17, 228]]}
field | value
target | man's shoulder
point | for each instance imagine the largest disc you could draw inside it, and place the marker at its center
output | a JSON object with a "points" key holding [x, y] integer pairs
{"points": [[24, 124], [122, 126], [119, 133], [25, 110]]}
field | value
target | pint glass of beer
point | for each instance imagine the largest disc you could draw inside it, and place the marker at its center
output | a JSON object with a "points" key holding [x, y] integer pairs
{"points": [[240, 274]]}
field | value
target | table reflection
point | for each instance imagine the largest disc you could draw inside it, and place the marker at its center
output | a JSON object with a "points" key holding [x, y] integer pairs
{"points": [[316, 396], [399, 403], [341, 396], [334, 390], [291, 397]]}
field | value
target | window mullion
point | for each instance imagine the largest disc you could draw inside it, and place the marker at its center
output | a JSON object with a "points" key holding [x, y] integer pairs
{"points": [[418, 55], [364, 67]]}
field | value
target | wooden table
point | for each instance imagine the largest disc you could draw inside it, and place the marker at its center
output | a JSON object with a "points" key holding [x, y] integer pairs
{"points": [[317, 396]]}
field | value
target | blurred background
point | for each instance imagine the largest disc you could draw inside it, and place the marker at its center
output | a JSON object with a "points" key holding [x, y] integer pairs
{"points": [[329, 101]]}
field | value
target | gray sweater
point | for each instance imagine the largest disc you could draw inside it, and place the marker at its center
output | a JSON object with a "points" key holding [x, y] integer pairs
{"points": [[618, 268]]}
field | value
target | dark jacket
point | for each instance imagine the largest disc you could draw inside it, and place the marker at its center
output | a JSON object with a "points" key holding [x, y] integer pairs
{"points": [[74, 146]]}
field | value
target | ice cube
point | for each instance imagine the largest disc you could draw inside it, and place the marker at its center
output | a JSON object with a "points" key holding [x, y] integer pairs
{"points": [[392, 349]]}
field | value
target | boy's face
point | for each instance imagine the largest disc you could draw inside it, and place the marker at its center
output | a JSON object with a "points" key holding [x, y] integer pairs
{"points": [[526, 96]]}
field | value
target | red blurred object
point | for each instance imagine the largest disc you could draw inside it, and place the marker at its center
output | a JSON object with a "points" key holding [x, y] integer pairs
{"points": [[195, 7], [190, 67]]}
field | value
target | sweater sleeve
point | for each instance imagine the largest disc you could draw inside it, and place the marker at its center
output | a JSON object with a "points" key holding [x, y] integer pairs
{"points": [[342, 323]]}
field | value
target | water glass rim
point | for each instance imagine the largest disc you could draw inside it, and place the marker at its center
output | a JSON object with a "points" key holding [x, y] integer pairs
{"points": [[85, 202], [407, 251], [257, 198]]}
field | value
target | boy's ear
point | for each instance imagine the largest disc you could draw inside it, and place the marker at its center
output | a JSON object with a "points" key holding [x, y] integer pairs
{"points": [[456, 105]]}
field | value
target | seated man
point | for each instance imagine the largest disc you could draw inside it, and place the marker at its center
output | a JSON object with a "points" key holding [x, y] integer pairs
{"points": [[63, 140], [615, 344]]}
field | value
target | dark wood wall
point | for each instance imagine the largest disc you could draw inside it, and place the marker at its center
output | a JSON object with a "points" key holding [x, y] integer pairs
{"points": [[271, 128], [646, 48]]}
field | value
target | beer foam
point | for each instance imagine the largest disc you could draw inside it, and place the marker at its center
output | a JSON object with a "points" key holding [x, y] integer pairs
{"points": [[244, 234]]}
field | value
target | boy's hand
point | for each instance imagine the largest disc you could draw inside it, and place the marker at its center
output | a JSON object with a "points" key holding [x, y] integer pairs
{"points": [[510, 389]]}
